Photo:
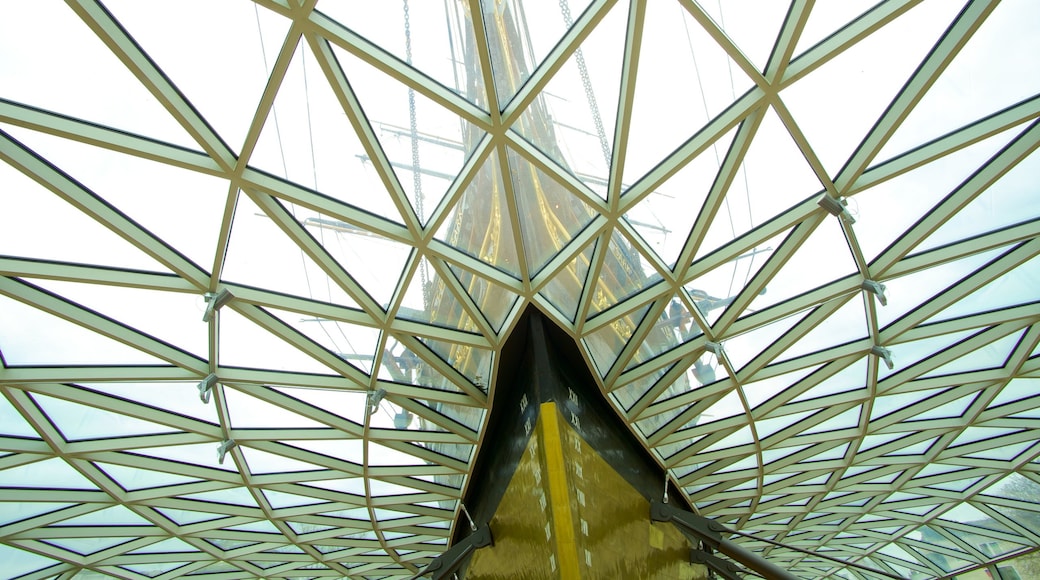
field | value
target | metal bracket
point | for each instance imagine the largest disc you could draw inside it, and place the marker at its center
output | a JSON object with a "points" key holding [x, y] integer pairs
{"points": [[215, 301], [447, 563], [724, 568], [711, 533]]}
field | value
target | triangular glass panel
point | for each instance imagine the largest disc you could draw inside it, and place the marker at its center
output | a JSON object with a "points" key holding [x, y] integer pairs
{"points": [[20, 562], [77, 421], [349, 450], [157, 397], [132, 478], [665, 217], [730, 405], [625, 272], [1016, 486], [915, 193], [112, 516], [425, 144], [352, 342], [243, 343], [974, 434], [306, 528], [974, 65], [428, 298], [494, 301], [1017, 389], [350, 405], [830, 452], [224, 72], [990, 356], [1007, 201], [1017, 286], [908, 292], [743, 348], [481, 223], [572, 121], [359, 252], [29, 238], [605, 343], [846, 380], [432, 46], [827, 18], [550, 215], [260, 254], [353, 485], [187, 517], [201, 454], [168, 546], [847, 324], [262, 462], [308, 140], [750, 25], [773, 177], [239, 496], [402, 365], [152, 570], [1009, 452], [853, 89], [909, 353], [172, 317], [473, 362], [87, 546], [674, 327], [469, 417], [715, 290], [563, 290], [822, 258], [774, 388], [626, 396], [86, 80], [884, 405], [33, 337], [918, 449], [674, 37], [172, 197], [250, 412], [280, 500], [515, 51], [17, 511], [12, 424], [847, 419], [968, 515]]}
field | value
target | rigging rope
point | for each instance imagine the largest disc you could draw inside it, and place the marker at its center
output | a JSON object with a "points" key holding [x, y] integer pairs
{"points": [[416, 172], [583, 70]]}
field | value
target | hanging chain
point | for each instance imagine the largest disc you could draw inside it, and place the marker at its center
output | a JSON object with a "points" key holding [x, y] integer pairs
{"points": [[587, 83], [416, 172]]}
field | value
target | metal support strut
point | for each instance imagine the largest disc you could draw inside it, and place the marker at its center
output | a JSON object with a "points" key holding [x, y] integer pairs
{"points": [[710, 532], [448, 562]]}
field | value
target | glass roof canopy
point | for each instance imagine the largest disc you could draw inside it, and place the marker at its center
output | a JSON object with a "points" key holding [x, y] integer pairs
{"points": [[256, 262]]}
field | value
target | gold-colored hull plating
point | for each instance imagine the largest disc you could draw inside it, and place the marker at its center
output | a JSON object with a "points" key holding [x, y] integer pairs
{"points": [[567, 514]]}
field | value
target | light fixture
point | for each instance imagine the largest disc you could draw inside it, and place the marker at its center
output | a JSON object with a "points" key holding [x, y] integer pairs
{"points": [[215, 301]]}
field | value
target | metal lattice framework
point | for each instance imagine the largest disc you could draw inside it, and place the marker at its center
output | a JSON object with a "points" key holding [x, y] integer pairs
{"points": [[805, 273]]}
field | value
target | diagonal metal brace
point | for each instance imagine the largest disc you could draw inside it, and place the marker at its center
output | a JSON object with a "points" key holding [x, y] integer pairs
{"points": [[448, 562], [724, 568], [711, 533]]}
